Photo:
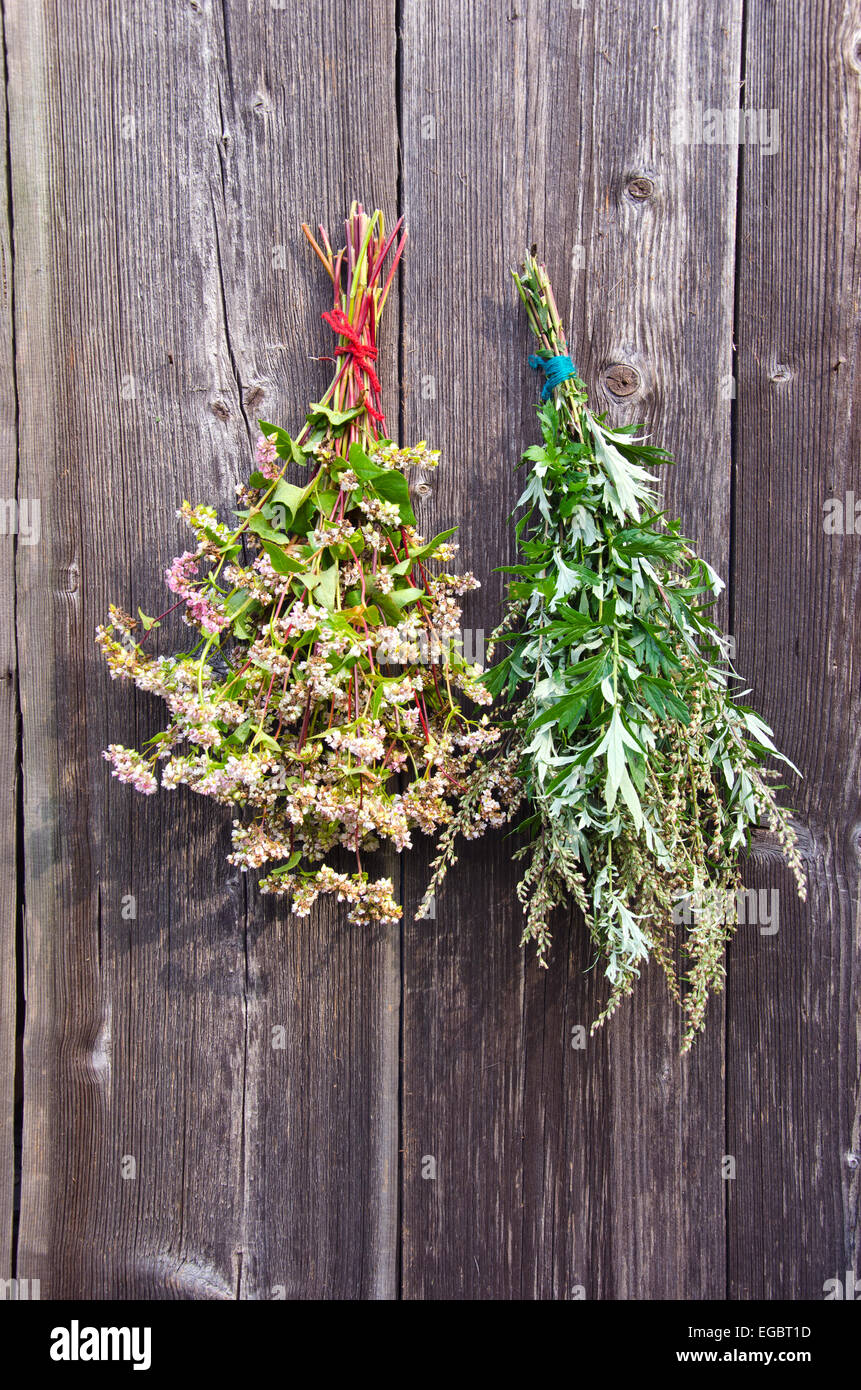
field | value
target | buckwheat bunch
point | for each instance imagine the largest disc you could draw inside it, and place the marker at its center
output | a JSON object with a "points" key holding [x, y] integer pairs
{"points": [[324, 697]]}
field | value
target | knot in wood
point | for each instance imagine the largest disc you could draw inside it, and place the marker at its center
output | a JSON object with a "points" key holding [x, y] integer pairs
{"points": [[639, 187], [621, 380]]}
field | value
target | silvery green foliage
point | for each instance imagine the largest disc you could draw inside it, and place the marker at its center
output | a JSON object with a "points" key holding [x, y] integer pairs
{"points": [[643, 773]]}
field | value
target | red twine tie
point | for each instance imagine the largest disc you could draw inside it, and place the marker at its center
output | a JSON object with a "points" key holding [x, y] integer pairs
{"points": [[363, 354]]}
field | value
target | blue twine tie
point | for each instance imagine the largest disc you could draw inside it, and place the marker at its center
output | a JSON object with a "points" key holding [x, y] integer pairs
{"points": [[555, 369]]}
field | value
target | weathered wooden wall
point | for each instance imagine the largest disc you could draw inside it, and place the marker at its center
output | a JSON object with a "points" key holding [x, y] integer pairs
{"points": [[157, 297]]}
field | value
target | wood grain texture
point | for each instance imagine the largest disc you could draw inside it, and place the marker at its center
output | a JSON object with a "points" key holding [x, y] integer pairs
{"points": [[559, 1171], [9, 717], [162, 169], [793, 1059]]}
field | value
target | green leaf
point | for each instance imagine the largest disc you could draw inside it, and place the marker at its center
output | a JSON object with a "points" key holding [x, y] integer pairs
{"points": [[362, 465], [430, 546], [388, 483], [661, 697], [393, 486], [325, 501], [290, 497], [260, 526], [234, 602], [630, 488], [615, 751], [613, 744], [285, 447], [326, 586], [401, 597], [403, 567], [566, 712], [566, 579], [630, 798], [496, 677], [337, 418], [148, 623], [281, 562], [239, 607]]}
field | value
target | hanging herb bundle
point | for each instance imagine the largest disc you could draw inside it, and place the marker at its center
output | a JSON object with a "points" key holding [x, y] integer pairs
{"points": [[644, 775], [322, 697]]}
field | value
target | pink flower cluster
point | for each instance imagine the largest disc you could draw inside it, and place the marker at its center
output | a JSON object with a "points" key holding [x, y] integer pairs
{"points": [[180, 579], [181, 573], [129, 766], [266, 454], [202, 611]]}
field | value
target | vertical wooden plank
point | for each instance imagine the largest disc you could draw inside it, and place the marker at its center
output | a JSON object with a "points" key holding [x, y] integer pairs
{"points": [[663, 226], [474, 1037], [310, 123], [793, 1064], [133, 1047], [560, 1173], [162, 161], [9, 715]]}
